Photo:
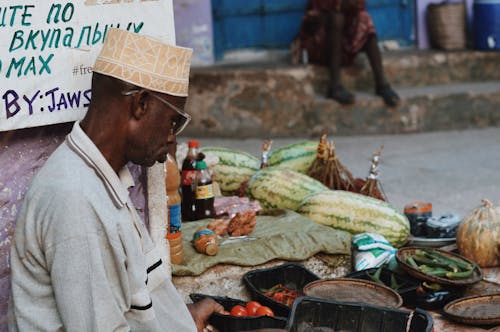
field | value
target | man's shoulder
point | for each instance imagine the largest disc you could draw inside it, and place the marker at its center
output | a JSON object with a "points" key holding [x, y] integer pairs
{"points": [[64, 171]]}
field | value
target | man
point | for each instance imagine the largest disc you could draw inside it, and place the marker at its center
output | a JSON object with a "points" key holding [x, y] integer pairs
{"points": [[82, 260], [333, 32]]}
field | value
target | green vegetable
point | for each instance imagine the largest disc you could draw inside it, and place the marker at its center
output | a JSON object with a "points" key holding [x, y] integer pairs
{"points": [[458, 262], [411, 261], [433, 271], [394, 283], [459, 275], [420, 257], [376, 276], [434, 286]]}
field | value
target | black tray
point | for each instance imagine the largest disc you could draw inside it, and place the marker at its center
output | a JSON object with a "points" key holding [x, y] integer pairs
{"points": [[292, 275], [408, 292], [227, 323], [309, 313]]}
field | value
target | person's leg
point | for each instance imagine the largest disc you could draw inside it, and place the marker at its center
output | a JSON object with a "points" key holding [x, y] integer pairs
{"points": [[335, 30], [382, 87]]}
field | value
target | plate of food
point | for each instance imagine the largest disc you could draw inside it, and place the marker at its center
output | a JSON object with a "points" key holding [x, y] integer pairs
{"points": [[439, 266]]}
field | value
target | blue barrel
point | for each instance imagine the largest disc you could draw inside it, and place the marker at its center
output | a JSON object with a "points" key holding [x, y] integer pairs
{"points": [[486, 23]]}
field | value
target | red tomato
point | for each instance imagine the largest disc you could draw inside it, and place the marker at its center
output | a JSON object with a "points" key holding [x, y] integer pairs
{"points": [[252, 307], [239, 310], [264, 311]]}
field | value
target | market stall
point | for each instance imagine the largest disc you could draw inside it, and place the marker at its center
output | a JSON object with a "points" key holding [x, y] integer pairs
{"points": [[308, 208]]}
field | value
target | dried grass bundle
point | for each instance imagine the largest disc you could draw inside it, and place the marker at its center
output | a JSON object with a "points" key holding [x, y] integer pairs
{"points": [[328, 169]]}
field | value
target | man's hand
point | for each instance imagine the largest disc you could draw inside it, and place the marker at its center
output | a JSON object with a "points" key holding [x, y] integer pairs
{"points": [[202, 310]]}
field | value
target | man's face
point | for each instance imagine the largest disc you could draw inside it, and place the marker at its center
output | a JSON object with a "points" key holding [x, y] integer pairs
{"points": [[158, 129]]}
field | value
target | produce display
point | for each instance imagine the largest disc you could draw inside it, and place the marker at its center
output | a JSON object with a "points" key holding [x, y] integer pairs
{"points": [[436, 264], [281, 188], [478, 235], [355, 214]]}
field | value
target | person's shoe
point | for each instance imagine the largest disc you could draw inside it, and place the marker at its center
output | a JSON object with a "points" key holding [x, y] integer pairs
{"points": [[341, 94], [387, 93]]}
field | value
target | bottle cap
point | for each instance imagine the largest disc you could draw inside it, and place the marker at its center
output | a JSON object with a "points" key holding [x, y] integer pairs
{"points": [[201, 164], [211, 249], [194, 144]]}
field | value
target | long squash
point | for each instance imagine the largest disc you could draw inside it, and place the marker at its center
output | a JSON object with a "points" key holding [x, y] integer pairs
{"points": [[355, 214]]}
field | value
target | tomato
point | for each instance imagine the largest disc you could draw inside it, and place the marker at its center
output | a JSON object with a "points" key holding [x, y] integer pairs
{"points": [[239, 310], [264, 311], [252, 307]]}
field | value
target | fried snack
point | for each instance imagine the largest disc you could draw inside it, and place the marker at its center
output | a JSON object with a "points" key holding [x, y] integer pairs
{"points": [[219, 226], [242, 223]]}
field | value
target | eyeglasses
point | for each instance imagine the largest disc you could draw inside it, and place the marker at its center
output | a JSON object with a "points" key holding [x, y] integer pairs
{"points": [[177, 126]]}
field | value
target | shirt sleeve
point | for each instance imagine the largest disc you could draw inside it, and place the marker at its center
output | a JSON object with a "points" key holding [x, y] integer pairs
{"points": [[86, 268]]}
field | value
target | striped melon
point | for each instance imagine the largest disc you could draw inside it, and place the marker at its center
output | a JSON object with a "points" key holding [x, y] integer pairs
{"points": [[355, 214], [234, 167], [281, 188], [297, 157]]}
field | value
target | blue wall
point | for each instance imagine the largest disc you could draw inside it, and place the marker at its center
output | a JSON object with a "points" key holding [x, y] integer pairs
{"points": [[272, 24]]}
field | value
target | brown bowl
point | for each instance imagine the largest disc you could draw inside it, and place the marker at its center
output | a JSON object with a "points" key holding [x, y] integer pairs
{"points": [[477, 274], [355, 291], [475, 310]]}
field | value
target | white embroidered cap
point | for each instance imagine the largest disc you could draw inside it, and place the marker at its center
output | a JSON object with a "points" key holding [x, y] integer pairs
{"points": [[145, 62]]}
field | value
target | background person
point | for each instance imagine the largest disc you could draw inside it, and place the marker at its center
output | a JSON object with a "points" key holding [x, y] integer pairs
{"points": [[333, 32]]}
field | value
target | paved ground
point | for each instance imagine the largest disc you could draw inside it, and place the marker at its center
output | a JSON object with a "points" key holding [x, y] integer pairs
{"points": [[453, 170]]}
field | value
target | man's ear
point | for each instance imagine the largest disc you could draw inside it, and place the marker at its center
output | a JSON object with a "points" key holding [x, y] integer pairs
{"points": [[140, 105]]}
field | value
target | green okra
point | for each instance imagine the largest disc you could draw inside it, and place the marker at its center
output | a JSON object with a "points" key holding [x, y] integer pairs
{"points": [[434, 262], [458, 262], [411, 262], [459, 275], [433, 271], [376, 276]]}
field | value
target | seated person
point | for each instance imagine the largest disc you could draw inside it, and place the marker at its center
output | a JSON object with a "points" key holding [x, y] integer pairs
{"points": [[333, 32]]}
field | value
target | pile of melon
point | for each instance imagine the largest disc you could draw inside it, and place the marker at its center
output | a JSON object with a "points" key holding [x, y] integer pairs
{"points": [[285, 185]]}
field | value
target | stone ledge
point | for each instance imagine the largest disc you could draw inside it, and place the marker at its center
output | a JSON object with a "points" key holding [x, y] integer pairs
{"points": [[268, 106]]}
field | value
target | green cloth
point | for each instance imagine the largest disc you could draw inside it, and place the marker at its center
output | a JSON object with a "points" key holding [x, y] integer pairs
{"points": [[287, 236]]}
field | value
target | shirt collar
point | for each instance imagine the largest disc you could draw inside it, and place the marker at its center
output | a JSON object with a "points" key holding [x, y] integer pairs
{"points": [[116, 184]]}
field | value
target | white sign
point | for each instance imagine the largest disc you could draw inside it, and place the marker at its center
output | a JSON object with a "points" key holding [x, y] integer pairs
{"points": [[48, 48]]}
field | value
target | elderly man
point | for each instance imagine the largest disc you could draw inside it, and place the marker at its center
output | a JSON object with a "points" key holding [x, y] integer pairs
{"points": [[82, 259]]}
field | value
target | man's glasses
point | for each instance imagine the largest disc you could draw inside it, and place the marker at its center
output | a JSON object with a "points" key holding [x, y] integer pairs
{"points": [[177, 126]]}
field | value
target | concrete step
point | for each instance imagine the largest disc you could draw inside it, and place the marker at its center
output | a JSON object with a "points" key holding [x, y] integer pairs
{"points": [[423, 109], [270, 105], [439, 90]]}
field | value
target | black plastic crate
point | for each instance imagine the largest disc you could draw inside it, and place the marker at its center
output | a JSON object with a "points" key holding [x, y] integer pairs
{"points": [[291, 275], [408, 291], [228, 323], [314, 314]]}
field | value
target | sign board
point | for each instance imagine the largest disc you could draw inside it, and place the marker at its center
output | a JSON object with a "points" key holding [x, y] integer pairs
{"points": [[48, 48]]}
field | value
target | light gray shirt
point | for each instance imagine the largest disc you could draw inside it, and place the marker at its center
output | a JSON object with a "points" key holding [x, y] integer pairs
{"points": [[82, 260]]}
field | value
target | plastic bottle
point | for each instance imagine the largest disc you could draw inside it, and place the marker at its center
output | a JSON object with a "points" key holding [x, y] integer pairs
{"points": [[174, 233], [206, 241], [188, 182], [204, 192]]}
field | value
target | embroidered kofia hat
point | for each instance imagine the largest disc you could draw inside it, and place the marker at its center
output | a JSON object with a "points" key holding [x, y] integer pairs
{"points": [[145, 62]]}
